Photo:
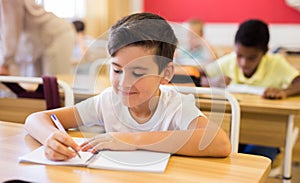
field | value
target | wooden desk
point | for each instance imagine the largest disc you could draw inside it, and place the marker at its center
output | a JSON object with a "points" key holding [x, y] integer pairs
{"points": [[267, 122], [235, 168]]}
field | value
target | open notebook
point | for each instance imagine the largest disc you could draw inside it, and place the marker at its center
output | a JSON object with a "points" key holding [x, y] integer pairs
{"points": [[145, 161], [243, 88]]}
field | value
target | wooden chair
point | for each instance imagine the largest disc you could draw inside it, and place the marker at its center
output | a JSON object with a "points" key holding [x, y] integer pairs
{"points": [[33, 94], [217, 111]]}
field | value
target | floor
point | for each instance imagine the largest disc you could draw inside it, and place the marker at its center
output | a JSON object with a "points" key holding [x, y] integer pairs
{"points": [[295, 175]]}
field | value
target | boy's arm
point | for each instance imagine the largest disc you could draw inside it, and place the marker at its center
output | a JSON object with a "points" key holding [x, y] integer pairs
{"points": [[218, 81], [294, 88], [200, 139], [277, 93], [40, 126]]}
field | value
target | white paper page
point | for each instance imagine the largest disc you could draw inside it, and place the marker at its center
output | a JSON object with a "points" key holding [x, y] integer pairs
{"points": [[38, 156], [144, 161], [242, 88]]}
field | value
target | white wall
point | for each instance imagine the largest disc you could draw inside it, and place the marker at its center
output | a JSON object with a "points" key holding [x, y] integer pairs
{"points": [[280, 34]]}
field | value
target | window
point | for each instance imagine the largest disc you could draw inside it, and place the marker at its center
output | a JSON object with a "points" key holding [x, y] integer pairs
{"points": [[65, 9]]}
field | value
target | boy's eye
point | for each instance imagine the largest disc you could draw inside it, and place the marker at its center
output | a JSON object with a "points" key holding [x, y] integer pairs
{"points": [[253, 58], [138, 74], [117, 71]]}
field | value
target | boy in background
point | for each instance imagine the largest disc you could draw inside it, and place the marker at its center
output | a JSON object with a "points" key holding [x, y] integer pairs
{"points": [[251, 64]]}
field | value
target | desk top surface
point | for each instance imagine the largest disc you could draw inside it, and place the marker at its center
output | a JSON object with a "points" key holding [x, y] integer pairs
{"points": [[235, 168], [257, 104]]}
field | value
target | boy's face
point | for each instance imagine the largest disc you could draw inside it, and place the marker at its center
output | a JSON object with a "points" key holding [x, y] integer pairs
{"points": [[248, 58], [134, 75]]}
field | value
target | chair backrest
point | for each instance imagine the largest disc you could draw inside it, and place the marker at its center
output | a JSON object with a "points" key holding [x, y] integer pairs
{"points": [[218, 97], [33, 97]]}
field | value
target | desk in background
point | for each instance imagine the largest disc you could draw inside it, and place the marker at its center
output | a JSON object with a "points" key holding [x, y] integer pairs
{"points": [[267, 122], [235, 168]]}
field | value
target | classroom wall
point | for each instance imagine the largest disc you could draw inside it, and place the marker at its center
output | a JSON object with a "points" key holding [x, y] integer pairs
{"points": [[102, 14], [222, 17]]}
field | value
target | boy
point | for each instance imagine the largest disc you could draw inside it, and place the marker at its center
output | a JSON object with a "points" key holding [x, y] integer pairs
{"points": [[251, 64], [136, 112]]}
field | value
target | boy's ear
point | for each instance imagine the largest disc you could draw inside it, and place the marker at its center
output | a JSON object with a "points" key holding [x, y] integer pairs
{"points": [[168, 73], [267, 50]]}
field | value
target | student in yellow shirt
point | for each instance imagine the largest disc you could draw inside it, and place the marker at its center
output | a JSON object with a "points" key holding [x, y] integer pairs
{"points": [[251, 64], [136, 112]]}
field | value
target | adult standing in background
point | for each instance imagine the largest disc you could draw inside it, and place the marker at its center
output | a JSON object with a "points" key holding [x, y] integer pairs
{"points": [[36, 41]]}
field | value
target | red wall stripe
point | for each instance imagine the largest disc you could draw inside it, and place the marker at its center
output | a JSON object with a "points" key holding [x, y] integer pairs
{"points": [[271, 11]]}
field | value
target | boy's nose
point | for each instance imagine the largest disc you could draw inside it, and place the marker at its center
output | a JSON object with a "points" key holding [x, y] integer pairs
{"points": [[242, 62], [126, 80]]}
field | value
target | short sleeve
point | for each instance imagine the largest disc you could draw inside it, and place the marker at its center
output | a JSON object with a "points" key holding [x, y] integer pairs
{"points": [[222, 66], [90, 111], [189, 111], [287, 71]]}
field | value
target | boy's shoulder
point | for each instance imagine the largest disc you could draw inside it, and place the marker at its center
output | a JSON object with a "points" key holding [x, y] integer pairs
{"points": [[275, 59], [229, 56], [171, 92]]}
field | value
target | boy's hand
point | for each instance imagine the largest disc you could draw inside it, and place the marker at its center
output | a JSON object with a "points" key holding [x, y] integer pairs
{"points": [[274, 93], [106, 141], [57, 147], [219, 81]]}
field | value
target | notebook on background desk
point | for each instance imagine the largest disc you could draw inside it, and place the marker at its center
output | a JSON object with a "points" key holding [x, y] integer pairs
{"points": [[144, 161], [248, 89]]}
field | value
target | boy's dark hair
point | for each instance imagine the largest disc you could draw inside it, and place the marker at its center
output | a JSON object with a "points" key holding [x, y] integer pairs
{"points": [[147, 30], [79, 25], [253, 33]]}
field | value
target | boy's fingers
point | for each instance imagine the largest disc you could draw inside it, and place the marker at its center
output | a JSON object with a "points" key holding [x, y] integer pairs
{"points": [[67, 141], [91, 143], [54, 155], [58, 147]]}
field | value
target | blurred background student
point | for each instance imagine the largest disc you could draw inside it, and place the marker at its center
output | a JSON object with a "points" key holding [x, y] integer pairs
{"points": [[196, 50], [253, 65], [35, 41], [80, 52]]}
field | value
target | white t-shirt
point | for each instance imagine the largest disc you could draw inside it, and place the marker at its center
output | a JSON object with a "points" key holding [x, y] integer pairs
{"points": [[175, 111]]}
